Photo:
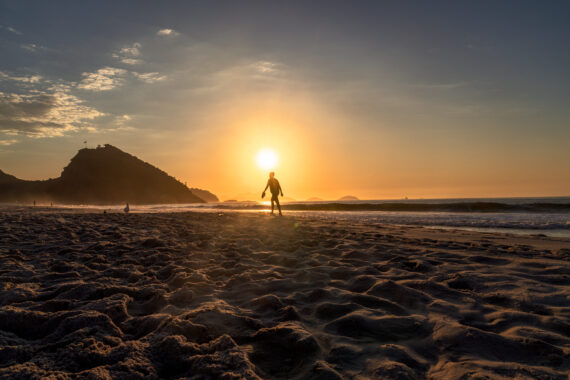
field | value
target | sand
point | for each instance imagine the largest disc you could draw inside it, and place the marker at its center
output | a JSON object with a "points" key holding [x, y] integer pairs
{"points": [[207, 296]]}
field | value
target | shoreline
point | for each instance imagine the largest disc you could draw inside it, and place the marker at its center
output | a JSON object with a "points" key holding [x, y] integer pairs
{"points": [[509, 232]]}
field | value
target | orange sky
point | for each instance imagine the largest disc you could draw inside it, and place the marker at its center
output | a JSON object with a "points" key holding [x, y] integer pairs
{"points": [[322, 154]]}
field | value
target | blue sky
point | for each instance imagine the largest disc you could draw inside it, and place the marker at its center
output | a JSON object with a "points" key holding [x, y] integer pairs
{"points": [[381, 99]]}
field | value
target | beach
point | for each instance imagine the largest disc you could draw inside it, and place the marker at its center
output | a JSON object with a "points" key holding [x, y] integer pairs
{"points": [[207, 295]]}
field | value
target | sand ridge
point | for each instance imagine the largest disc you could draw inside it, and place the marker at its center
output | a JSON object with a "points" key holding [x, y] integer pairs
{"points": [[206, 295]]}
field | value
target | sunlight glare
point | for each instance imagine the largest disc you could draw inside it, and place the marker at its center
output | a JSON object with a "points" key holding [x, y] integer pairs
{"points": [[266, 159]]}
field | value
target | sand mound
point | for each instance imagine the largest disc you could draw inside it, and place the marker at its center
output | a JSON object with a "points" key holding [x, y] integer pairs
{"points": [[246, 296]]}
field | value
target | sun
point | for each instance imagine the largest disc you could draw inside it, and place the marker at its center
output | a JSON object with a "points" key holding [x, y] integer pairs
{"points": [[266, 159]]}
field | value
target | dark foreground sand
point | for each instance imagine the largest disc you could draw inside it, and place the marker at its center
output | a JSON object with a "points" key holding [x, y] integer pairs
{"points": [[208, 296]]}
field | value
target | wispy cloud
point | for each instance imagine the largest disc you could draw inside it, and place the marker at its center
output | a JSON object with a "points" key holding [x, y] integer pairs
{"points": [[266, 67], [103, 79], [256, 73], [44, 113], [441, 86], [131, 61], [129, 55], [10, 29], [29, 47], [8, 142], [25, 79], [149, 77], [119, 124], [167, 33], [33, 48], [133, 51]]}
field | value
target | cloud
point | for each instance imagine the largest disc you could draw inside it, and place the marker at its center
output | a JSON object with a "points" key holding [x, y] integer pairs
{"points": [[167, 33], [129, 54], [44, 113], [441, 86], [266, 67], [11, 30], [8, 142], [257, 70], [103, 79], [119, 124], [25, 79], [33, 48], [149, 77], [132, 50], [122, 119], [264, 75], [109, 78], [131, 61], [29, 47]]}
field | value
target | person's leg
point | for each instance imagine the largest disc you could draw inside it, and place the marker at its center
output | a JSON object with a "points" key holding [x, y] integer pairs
{"points": [[272, 205], [278, 205]]}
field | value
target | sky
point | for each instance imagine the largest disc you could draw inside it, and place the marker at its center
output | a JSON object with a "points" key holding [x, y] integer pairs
{"points": [[376, 99]]}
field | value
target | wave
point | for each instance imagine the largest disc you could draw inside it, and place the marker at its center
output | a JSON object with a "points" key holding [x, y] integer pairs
{"points": [[525, 223], [414, 207]]}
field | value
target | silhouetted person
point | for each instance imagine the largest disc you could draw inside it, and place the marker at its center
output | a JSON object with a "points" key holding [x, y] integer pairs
{"points": [[275, 189], [127, 208]]}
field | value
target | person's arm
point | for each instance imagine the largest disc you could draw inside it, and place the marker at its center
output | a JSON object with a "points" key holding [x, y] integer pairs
{"points": [[264, 190], [280, 189]]}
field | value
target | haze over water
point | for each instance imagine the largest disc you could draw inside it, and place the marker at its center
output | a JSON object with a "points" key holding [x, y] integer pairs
{"points": [[553, 220]]}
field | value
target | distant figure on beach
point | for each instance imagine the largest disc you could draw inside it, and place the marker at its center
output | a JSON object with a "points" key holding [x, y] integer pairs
{"points": [[34, 203], [275, 189], [127, 208]]}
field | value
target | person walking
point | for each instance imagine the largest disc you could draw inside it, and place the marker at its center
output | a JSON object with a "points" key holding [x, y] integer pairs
{"points": [[275, 188]]}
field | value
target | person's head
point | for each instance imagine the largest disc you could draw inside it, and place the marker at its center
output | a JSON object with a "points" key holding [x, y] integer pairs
{"points": [[271, 174]]}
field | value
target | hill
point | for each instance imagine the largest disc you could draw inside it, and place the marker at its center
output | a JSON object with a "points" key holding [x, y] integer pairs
{"points": [[205, 195], [349, 198], [7, 178], [102, 175]]}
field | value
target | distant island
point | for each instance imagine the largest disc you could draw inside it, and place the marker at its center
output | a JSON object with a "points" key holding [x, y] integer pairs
{"points": [[103, 175], [245, 197], [349, 198]]}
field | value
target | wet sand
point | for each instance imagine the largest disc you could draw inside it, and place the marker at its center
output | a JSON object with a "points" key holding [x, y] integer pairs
{"points": [[206, 295]]}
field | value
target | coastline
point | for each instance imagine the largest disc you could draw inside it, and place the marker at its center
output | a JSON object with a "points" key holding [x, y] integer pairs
{"points": [[248, 295]]}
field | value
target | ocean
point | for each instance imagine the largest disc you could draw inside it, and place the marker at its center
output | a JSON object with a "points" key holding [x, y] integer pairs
{"points": [[548, 216]]}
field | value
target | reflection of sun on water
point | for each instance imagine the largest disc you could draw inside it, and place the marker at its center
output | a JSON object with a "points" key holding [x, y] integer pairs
{"points": [[266, 159]]}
